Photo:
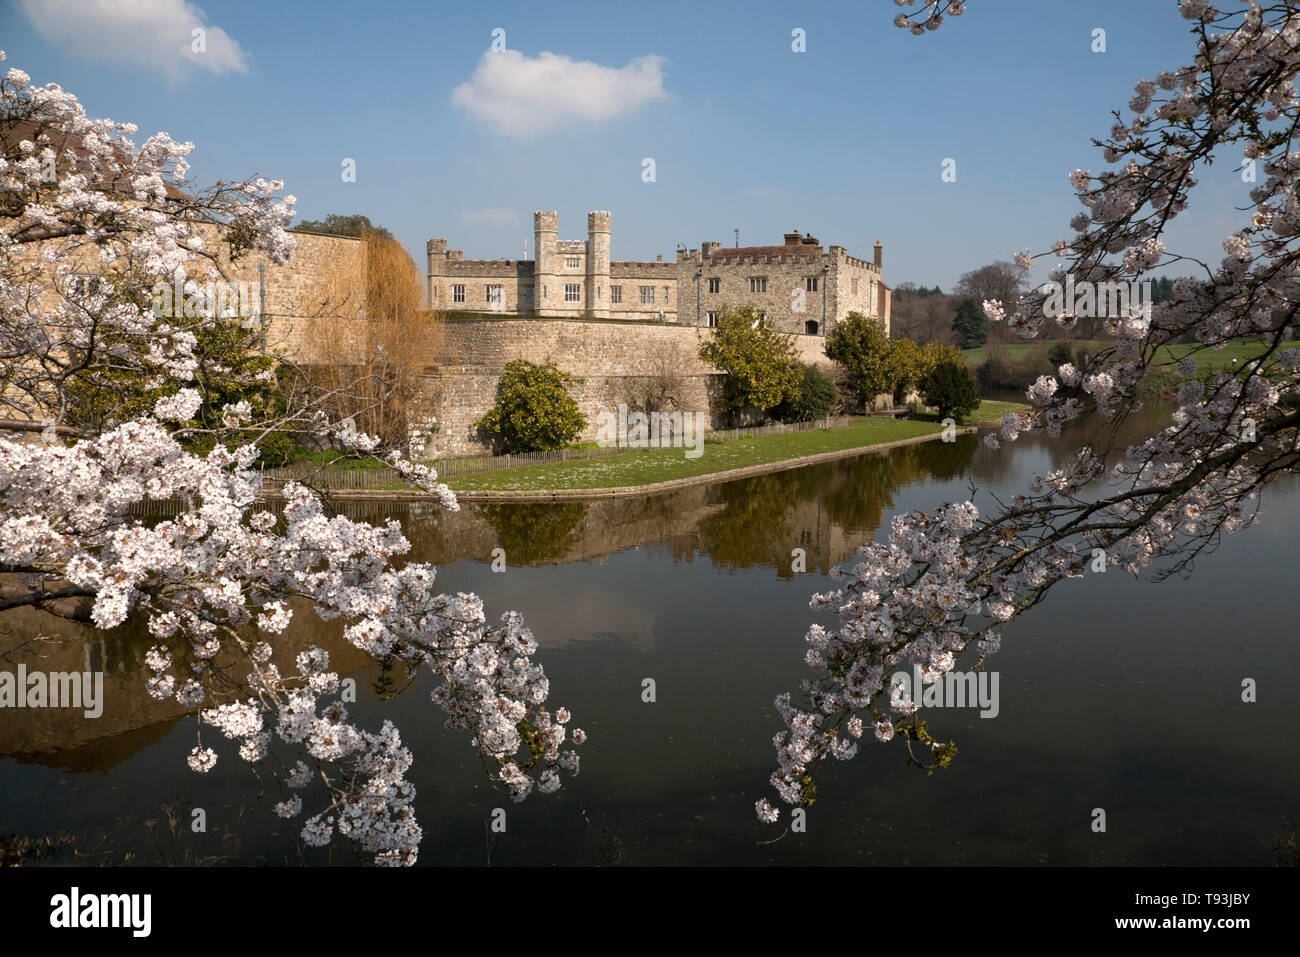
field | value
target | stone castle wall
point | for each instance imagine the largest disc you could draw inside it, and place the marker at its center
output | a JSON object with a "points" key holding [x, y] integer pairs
{"points": [[465, 365], [325, 277], [607, 357]]}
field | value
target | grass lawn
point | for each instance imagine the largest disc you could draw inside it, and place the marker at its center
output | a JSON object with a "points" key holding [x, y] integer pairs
{"points": [[991, 411], [661, 465]]}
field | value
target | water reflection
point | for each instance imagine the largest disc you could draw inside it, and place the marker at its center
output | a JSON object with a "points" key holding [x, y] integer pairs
{"points": [[1115, 693]]}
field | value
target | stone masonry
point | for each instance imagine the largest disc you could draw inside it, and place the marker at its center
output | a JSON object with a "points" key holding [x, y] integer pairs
{"points": [[801, 286]]}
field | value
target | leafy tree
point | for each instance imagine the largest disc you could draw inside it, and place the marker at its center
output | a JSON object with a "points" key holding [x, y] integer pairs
{"points": [[922, 315], [970, 325], [950, 388], [863, 347], [1059, 353], [812, 399], [336, 225], [534, 533], [912, 289], [238, 382], [534, 411], [1001, 280], [910, 363], [759, 362]]}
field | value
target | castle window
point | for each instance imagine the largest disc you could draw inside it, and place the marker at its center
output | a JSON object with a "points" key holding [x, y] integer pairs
{"points": [[572, 262], [812, 283], [647, 295], [573, 292], [712, 318], [855, 287], [458, 292], [615, 293], [665, 295], [810, 327], [496, 295], [758, 284], [715, 285]]}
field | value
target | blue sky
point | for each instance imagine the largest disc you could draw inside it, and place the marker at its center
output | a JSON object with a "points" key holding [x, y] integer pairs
{"points": [[845, 140]]}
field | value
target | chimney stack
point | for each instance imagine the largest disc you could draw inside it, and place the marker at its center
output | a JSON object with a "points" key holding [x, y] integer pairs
{"points": [[880, 254]]}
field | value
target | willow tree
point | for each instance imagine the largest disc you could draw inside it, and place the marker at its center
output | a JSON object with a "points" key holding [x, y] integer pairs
{"points": [[373, 368]]}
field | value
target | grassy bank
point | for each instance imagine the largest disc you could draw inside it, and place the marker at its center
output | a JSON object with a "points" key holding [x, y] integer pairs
{"points": [[662, 465], [991, 412]]}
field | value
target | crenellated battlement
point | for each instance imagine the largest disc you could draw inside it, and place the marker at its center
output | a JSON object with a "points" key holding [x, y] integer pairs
{"points": [[692, 288], [490, 267], [633, 268]]}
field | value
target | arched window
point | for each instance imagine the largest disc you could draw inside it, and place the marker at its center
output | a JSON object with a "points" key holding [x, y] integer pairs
{"points": [[810, 327]]}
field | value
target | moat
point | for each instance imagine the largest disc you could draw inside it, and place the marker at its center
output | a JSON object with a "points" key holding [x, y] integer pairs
{"points": [[1116, 693]]}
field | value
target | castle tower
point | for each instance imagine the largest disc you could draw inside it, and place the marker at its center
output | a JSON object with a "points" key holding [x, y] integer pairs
{"points": [[436, 251], [598, 264], [548, 294]]}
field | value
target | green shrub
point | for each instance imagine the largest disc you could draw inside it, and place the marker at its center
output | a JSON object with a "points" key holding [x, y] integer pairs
{"points": [[1060, 353], [813, 398], [534, 411], [950, 388]]}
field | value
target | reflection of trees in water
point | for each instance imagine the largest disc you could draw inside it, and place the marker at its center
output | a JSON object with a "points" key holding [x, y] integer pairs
{"points": [[1015, 462], [857, 491], [754, 526], [825, 509], [862, 488], [944, 460], [535, 532]]}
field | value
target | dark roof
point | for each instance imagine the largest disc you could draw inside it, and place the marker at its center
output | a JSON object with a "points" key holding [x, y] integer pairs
{"points": [[802, 251]]}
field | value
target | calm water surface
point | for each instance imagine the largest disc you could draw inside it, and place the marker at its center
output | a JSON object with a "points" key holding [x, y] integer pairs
{"points": [[1115, 693]]}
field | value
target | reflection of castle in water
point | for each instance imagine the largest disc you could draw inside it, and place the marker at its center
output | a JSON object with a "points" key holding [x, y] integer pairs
{"points": [[131, 720], [828, 510]]}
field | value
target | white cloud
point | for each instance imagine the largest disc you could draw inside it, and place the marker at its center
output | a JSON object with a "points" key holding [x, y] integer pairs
{"points": [[491, 217], [522, 97], [152, 33]]}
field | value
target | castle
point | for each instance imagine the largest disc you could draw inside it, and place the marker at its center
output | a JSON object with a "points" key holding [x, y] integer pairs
{"points": [[803, 288]]}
